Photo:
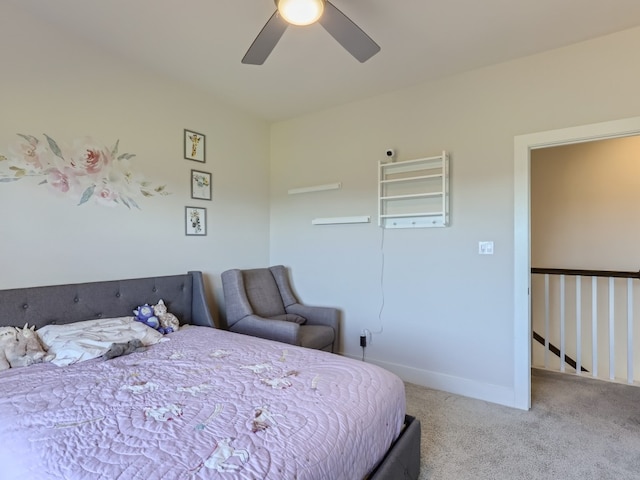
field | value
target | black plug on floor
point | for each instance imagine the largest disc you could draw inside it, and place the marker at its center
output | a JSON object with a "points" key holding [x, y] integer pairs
{"points": [[363, 341]]}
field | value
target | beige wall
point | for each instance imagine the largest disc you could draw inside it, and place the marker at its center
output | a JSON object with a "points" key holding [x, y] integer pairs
{"points": [[584, 205], [448, 312], [52, 84]]}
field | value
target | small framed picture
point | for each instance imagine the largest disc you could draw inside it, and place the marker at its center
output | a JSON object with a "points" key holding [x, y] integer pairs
{"points": [[200, 185], [195, 221], [194, 146]]}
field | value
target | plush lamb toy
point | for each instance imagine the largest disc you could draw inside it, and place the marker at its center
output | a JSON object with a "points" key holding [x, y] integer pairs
{"points": [[168, 321], [8, 346], [144, 313], [21, 348], [34, 347]]}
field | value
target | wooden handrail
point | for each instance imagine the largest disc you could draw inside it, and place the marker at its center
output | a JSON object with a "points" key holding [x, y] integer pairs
{"points": [[586, 273]]}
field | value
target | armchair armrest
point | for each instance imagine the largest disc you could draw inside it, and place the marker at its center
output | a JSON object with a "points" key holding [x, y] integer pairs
{"points": [[278, 330], [328, 316]]}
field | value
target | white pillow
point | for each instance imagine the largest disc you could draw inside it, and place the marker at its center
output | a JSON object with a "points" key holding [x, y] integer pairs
{"points": [[79, 341]]}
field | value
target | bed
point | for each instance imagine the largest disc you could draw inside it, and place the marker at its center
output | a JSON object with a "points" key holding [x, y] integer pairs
{"points": [[206, 403]]}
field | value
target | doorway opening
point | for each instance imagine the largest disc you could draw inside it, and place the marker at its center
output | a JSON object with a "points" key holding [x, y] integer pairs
{"points": [[523, 146], [585, 285]]}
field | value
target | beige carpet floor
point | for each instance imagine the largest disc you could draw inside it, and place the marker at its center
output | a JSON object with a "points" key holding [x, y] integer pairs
{"points": [[577, 428]]}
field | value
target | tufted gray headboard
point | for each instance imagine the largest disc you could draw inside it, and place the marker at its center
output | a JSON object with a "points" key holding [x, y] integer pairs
{"points": [[183, 294]]}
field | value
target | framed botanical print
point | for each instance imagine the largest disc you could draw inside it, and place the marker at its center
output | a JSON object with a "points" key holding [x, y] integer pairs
{"points": [[195, 221], [200, 185], [194, 146]]}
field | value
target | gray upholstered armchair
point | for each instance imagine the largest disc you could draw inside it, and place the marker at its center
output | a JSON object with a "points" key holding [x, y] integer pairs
{"points": [[260, 302]]}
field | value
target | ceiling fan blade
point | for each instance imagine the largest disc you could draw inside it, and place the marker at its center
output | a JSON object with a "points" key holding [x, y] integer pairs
{"points": [[266, 40], [348, 34]]}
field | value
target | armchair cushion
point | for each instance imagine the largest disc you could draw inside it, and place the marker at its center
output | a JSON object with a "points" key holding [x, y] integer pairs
{"points": [[262, 293], [319, 337], [316, 315], [287, 332], [291, 317]]}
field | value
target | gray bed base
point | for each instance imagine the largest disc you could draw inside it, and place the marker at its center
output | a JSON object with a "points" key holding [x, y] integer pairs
{"points": [[402, 461], [185, 297]]}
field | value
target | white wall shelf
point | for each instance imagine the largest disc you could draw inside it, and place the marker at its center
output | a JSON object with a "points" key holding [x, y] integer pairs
{"points": [[341, 220], [315, 188], [414, 193]]}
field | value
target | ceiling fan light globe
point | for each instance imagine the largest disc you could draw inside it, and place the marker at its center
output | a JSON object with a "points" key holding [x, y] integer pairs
{"points": [[301, 12]]}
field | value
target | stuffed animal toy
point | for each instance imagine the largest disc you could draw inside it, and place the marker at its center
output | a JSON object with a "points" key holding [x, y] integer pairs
{"points": [[21, 348], [8, 346], [33, 346], [168, 321], [144, 313]]}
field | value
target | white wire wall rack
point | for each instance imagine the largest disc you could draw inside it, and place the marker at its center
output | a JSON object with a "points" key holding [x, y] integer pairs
{"points": [[414, 193]]}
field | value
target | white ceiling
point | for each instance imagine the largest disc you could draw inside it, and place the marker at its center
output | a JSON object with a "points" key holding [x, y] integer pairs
{"points": [[201, 42]]}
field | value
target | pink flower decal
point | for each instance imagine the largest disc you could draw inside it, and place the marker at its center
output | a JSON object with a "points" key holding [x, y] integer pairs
{"points": [[28, 150], [84, 171], [58, 180]]}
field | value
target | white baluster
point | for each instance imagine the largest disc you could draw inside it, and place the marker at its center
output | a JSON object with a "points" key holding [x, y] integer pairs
{"points": [[578, 324], [612, 357], [562, 333], [594, 326], [546, 320], [629, 330]]}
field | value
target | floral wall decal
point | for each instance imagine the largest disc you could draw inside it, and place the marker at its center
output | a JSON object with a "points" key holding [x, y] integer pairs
{"points": [[83, 171]]}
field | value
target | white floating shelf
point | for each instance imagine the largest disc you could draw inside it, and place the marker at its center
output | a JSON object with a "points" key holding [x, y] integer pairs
{"points": [[315, 188], [339, 220]]}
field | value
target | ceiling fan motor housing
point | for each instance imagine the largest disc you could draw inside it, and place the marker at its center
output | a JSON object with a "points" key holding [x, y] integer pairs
{"points": [[300, 12]]}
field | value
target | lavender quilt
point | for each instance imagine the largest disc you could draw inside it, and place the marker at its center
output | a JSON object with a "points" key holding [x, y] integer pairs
{"points": [[206, 404]]}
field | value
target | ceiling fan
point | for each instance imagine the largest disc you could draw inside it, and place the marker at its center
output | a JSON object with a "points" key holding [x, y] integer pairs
{"points": [[306, 12]]}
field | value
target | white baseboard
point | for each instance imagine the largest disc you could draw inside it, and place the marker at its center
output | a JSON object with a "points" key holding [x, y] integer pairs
{"points": [[448, 383]]}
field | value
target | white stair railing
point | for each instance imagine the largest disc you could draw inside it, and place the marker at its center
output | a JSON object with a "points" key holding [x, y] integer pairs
{"points": [[582, 330]]}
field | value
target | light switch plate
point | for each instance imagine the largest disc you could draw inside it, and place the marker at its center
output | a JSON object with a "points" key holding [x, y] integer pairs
{"points": [[485, 248]]}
